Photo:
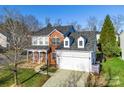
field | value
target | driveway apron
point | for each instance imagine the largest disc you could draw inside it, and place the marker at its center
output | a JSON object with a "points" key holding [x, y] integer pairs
{"points": [[67, 78]]}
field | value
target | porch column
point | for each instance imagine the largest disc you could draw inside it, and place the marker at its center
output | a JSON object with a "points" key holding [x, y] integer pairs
{"points": [[39, 57], [27, 55], [47, 62], [33, 57]]}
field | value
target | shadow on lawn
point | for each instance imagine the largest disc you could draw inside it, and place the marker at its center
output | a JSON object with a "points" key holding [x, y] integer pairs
{"points": [[29, 78], [5, 79]]}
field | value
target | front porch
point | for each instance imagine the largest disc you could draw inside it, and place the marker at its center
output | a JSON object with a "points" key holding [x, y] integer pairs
{"points": [[37, 56]]}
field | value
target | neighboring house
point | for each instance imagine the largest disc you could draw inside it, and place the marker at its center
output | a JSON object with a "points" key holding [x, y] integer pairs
{"points": [[63, 47], [122, 44], [3, 40], [98, 36]]}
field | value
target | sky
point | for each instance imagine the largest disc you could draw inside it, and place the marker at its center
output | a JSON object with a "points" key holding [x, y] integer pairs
{"points": [[68, 14]]}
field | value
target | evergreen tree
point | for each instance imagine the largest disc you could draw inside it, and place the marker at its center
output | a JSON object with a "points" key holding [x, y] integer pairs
{"points": [[108, 39]]}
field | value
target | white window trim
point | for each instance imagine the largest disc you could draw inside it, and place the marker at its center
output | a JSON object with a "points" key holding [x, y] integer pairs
{"points": [[38, 40], [67, 39], [33, 39], [80, 39], [44, 40]]}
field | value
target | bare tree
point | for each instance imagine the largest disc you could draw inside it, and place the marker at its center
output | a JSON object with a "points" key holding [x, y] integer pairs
{"points": [[19, 36], [32, 23], [47, 22], [58, 22], [91, 23], [76, 25], [118, 22]]}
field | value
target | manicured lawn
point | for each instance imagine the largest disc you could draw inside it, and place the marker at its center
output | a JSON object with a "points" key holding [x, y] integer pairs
{"points": [[113, 70], [27, 78], [6, 78]]}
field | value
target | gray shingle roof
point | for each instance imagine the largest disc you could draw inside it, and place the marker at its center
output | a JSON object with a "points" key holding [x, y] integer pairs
{"points": [[89, 36], [47, 30]]}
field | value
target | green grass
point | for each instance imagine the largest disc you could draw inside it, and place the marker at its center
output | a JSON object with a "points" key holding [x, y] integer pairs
{"points": [[29, 78], [26, 77], [113, 70], [6, 78]]}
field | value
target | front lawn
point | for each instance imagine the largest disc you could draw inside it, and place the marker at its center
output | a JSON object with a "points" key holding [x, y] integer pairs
{"points": [[6, 78], [26, 77], [113, 71]]}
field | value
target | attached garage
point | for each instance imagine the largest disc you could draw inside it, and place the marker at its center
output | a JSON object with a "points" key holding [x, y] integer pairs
{"points": [[75, 60]]}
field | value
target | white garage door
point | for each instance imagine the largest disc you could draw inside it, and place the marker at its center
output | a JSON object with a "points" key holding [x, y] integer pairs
{"points": [[79, 61]]}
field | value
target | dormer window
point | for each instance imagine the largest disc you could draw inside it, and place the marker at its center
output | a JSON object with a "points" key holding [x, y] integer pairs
{"points": [[80, 42], [66, 42]]}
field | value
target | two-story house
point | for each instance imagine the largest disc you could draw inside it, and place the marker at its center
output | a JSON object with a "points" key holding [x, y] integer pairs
{"points": [[63, 47], [45, 42]]}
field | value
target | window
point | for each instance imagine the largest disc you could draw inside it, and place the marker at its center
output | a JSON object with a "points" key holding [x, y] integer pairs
{"points": [[55, 41], [46, 40], [53, 55], [80, 42], [66, 43], [34, 41], [41, 42]]}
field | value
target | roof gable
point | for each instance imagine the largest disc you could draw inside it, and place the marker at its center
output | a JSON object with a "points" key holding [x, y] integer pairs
{"points": [[47, 30], [55, 30]]}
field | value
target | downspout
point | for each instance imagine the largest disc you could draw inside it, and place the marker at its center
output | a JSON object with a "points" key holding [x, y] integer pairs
{"points": [[94, 50], [47, 62]]}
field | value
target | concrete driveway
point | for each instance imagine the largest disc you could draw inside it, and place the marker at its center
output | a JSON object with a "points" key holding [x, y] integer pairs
{"points": [[67, 78]]}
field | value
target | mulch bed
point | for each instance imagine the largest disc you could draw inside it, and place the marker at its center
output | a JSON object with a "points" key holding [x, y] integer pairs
{"points": [[28, 65]]}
